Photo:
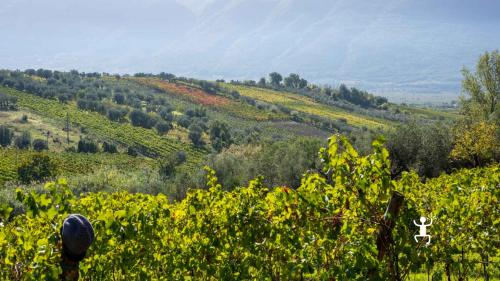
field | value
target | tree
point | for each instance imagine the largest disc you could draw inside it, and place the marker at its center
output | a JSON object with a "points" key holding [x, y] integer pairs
{"points": [[482, 89], [39, 145], [109, 147], [87, 146], [119, 98], [163, 127], [294, 81], [275, 78], [477, 135], [195, 135], [476, 143], [142, 119], [262, 82], [421, 147], [117, 114], [23, 141], [39, 168], [220, 135], [167, 166], [5, 136]]}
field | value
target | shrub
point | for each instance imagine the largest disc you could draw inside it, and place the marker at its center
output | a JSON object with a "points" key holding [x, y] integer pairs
{"points": [[117, 114], [23, 141], [195, 135], [39, 145], [87, 146], [132, 151], [109, 148], [39, 168], [163, 127], [142, 119], [5, 136]]}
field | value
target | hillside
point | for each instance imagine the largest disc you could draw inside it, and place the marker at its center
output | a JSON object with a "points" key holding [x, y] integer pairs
{"points": [[162, 117]]}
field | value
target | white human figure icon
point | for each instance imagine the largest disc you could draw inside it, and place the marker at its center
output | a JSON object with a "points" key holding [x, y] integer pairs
{"points": [[423, 229]]}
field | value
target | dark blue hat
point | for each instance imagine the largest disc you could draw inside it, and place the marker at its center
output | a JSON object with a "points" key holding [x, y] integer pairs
{"points": [[77, 234]]}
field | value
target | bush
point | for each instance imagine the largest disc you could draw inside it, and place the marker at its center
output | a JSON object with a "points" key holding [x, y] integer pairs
{"points": [[184, 121], [181, 157], [39, 145], [195, 135], [87, 146], [132, 151], [167, 166], [163, 127], [117, 114], [220, 136], [119, 98], [23, 141], [109, 148], [39, 168], [142, 119]]}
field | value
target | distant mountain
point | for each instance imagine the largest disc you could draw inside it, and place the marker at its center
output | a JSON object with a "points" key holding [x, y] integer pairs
{"points": [[390, 47]]}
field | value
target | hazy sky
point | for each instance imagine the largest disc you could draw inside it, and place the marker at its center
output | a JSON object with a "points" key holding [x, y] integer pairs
{"points": [[386, 46]]}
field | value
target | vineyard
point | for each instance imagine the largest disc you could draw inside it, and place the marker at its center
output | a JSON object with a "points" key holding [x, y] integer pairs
{"points": [[327, 229], [307, 105], [201, 97], [68, 163], [146, 139]]}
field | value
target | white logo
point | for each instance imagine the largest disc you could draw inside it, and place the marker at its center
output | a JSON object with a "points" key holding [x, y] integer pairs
{"points": [[423, 229]]}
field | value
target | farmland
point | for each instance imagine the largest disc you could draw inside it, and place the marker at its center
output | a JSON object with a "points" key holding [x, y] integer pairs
{"points": [[307, 105], [68, 163], [103, 128], [217, 102]]}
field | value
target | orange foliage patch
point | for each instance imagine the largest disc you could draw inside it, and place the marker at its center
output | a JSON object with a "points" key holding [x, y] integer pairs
{"points": [[194, 94]]}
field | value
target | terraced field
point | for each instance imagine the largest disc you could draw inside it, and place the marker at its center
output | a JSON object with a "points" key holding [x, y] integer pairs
{"points": [[217, 102], [307, 105], [104, 129]]}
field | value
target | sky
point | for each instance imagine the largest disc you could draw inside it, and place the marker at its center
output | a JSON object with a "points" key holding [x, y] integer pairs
{"points": [[390, 47]]}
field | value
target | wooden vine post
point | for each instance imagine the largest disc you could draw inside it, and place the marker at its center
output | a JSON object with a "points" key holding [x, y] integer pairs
{"points": [[384, 237]]}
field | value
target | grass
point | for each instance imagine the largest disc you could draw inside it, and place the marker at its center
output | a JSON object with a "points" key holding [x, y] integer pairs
{"points": [[38, 126], [308, 105]]}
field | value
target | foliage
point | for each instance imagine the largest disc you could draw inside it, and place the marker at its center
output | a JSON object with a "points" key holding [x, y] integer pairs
{"points": [[109, 147], [147, 140], [326, 229], [420, 146], [483, 89], [275, 78], [142, 119], [23, 141], [477, 133], [39, 168], [307, 105], [40, 145], [87, 146], [5, 136], [220, 136], [476, 143], [195, 135], [69, 163], [163, 127]]}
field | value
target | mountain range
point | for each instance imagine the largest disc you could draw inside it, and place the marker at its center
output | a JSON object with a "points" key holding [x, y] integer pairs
{"points": [[406, 50]]}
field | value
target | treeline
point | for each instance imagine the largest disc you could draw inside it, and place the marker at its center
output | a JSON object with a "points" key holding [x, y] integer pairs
{"points": [[295, 83]]}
